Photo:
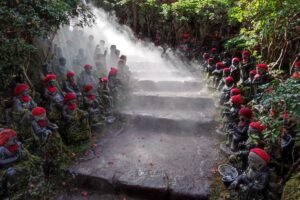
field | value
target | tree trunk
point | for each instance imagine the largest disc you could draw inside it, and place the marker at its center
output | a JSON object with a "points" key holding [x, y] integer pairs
{"points": [[134, 16]]}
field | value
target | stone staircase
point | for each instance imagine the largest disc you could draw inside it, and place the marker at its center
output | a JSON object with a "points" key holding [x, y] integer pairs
{"points": [[167, 151]]}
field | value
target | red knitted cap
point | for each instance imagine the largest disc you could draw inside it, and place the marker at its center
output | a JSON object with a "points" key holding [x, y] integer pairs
{"points": [[261, 153], [226, 69], [21, 88], [236, 59], [246, 53], [37, 111], [229, 79], [49, 77], [113, 71], [69, 96], [262, 66], [258, 126], [235, 91], [237, 99], [247, 112], [88, 88], [88, 66], [71, 74], [220, 65]]}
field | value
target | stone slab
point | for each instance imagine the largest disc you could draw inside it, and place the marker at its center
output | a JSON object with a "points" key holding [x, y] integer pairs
{"points": [[158, 165]]}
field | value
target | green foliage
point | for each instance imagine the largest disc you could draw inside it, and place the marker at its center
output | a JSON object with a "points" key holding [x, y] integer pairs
{"points": [[21, 22], [271, 23], [281, 97]]}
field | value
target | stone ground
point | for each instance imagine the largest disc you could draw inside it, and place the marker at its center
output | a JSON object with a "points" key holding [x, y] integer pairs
{"points": [[165, 151]]}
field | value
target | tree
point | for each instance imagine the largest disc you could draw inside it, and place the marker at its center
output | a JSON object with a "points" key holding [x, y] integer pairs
{"points": [[23, 21], [271, 25]]}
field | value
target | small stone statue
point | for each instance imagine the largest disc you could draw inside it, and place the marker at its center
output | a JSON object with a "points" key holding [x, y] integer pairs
{"points": [[254, 133], [54, 97], [41, 126], [50, 143], [217, 73], [252, 183], [70, 85], [10, 147], [239, 132], [87, 77], [75, 125], [246, 65], [226, 73], [225, 94], [92, 105], [296, 74], [104, 96], [235, 72], [21, 110], [231, 115]]}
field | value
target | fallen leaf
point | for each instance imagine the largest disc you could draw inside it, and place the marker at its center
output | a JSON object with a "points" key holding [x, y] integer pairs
{"points": [[84, 193], [94, 145]]}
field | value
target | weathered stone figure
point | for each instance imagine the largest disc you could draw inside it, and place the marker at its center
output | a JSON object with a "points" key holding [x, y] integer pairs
{"points": [[253, 182], [75, 127]]}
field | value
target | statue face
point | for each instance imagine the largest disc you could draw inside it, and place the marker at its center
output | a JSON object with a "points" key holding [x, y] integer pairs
{"points": [[88, 71], [254, 163], [25, 92], [71, 78], [41, 117], [52, 83], [11, 141]]}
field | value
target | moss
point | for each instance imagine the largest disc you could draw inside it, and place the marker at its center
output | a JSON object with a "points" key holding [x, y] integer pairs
{"points": [[291, 189]]}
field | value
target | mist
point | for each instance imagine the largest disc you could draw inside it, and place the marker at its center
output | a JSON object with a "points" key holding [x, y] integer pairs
{"points": [[141, 56]]}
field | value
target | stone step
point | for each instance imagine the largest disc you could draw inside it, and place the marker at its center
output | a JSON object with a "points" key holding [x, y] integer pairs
{"points": [[92, 195], [193, 94], [161, 75], [170, 86], [151, 165], [163, 102], [180, 122]]}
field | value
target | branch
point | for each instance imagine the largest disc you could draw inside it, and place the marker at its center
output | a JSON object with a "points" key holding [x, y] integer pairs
{"points": [[291, 171]]}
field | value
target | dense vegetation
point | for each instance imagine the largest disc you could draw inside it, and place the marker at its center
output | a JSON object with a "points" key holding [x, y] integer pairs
{"points": [[27, 29], [271, 28]]}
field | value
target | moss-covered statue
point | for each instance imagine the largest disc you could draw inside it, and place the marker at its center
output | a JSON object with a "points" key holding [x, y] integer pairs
{"points": [[70, 85], [104, 97], [87, 77], [217, 73], [114, 85], [296, 74], [10, 147], [262, 77], [225, 94], [124, 72], [23, 103], [247, 65], [226, 73], [253, 182], [235, 72], [239, 132], [231, 115], [210, 68], [92, 106], [49, 141], [75, 125], [254, 135], [54, 97]]}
